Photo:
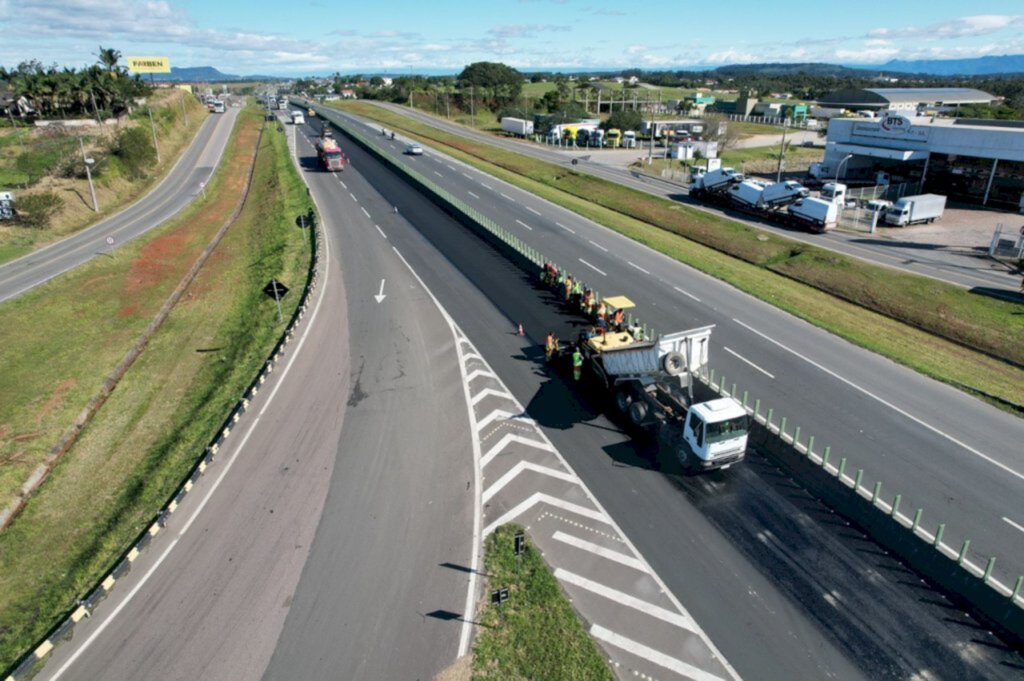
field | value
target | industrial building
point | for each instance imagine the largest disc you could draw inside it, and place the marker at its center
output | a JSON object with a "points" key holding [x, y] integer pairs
{"points": [[905, 100], [968, 160]]}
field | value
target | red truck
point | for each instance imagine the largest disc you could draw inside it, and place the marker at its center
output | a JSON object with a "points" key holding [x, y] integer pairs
{"points": [[329, 151]]}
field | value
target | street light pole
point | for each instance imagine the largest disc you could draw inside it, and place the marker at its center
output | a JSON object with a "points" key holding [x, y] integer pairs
{"points": [[840, 166], [782, 152], [88, 173]]}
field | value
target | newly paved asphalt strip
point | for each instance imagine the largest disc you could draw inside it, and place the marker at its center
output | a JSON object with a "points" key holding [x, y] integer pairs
{"points": [[176, 191], [952, 455], [782, 588], [958, 266]]}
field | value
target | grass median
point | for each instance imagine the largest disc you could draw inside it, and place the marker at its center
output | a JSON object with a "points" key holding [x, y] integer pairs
{"points": [[970, 341], [535, 634], [147, 436]]}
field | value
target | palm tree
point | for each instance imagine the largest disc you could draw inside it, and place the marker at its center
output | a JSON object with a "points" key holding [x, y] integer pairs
{"points": [[109, 57]]}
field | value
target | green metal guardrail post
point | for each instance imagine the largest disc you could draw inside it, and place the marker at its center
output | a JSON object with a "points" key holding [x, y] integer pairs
{"points": [[917, 519], [988, 569], [768, 419], [810, 445], [856, 482], [824, 457], [782, 427], [896, 505], [876, 492], [744, 399], [796, 436], [1016, 588], [731, 394], [711, 379], [841, 471], [938, 534], [757, 408], [963, 552]]}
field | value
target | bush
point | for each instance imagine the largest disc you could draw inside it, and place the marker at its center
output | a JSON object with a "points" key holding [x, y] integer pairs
{"points": [[36, 210], [135, 149]]}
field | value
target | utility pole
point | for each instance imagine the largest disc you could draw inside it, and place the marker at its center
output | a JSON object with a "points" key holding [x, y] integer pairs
{"points": [[472, 103], [650, 153], [152, 126], [782, 153], [88, 173]]}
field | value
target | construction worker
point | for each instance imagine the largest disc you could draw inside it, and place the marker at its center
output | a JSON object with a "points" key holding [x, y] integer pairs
{"points": [[577, 364], [550, 346], [568, 287], [618, 318]]}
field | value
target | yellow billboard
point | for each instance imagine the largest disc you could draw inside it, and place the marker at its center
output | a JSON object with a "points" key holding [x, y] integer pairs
{"points": [[149, 64]]}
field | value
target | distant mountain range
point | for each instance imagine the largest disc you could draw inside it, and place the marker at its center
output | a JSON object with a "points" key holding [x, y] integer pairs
{"points": [[980, 66]]}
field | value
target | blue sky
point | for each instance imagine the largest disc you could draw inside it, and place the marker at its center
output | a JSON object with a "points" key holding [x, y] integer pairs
{"points": [[301, 37]]}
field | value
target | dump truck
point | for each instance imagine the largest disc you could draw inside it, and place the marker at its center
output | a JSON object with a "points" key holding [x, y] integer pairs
{"points": [[911, 210], [651, 383], [329, 151]]}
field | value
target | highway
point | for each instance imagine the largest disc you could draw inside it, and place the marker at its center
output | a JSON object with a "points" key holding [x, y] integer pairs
{"points": [[956, 266], [952, 455], [781, 586], [336, 519], [174, 192]]}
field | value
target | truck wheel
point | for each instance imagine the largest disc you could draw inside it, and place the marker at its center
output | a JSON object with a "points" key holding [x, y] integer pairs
{"points": [[623, 400], [674, 363], [686, 458], [637, 412]]}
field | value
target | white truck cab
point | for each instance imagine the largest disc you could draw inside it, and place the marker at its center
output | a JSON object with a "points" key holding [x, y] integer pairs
{"points": [[715, 433]]}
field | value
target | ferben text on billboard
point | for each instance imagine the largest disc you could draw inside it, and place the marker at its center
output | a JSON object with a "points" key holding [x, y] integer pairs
{"points": [[149, 64]]}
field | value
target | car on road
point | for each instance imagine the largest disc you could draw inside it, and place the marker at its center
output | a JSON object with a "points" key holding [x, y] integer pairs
{"points": [[414, 150]]}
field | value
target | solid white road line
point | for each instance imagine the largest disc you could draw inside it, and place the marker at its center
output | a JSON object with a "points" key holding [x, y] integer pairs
{"points": [[637, 267], [657, 657], [514, 472], [1013, 524], [532, 210], [381, 231], [524, 225], [539, 498], [594, 243], [216, 484], [888, 404], [571, 231], [473, 195], [663, 614], [364, 211], [592, 267], [744, 359], [598, 550], [685, 293], [474, 560]]}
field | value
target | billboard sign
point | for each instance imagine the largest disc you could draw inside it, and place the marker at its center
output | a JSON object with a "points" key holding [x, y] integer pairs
{"points": [[149, 64]]}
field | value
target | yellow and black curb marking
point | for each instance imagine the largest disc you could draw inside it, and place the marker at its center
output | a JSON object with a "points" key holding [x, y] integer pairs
{"points": [[26, 667]]}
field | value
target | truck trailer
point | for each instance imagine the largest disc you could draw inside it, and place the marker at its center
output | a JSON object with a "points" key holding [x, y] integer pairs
{"points": [[818, 215], [517, 126], [911, 210], [651, 383]]}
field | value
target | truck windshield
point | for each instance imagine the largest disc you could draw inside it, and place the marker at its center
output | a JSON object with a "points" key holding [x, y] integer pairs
{"points": [[726, 430]]}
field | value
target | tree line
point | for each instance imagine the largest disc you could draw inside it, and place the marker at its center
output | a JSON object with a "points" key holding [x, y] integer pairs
{"points": [[102, 89]]}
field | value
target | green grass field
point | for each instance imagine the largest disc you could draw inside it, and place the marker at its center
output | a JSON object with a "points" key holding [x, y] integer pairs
{"points": [[535, 634], [169, 404], [922, 323]]}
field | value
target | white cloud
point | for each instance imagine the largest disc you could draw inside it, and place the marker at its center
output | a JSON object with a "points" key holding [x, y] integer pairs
{"points": [[731, 56], [982, 24]]}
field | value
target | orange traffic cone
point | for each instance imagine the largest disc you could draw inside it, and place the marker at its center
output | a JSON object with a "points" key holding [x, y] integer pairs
{"points": [[520, 333]]}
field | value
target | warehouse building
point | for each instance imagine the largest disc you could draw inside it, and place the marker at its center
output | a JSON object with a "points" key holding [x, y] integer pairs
{"points": [[905, 100], [968, 160]]}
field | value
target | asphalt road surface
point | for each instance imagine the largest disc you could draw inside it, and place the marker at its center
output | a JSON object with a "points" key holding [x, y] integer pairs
{"points": [[783, 587], [974, 271], [952, 455], [176, 191], [334, 521]]}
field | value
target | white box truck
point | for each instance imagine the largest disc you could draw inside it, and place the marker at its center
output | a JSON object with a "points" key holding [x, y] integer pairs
{"points": [[911, 210], [818, 215], [517, 126], [298, 118]]}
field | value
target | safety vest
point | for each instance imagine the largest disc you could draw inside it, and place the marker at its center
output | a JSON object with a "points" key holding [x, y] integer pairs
{"points": [[577, 359]]}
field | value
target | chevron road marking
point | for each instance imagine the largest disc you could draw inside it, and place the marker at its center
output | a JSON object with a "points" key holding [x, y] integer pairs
{"points": [[514, 472]]}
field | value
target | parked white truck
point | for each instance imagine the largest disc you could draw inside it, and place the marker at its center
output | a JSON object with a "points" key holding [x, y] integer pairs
{"points": [[818, 215], [652, 383], [911, 210], [517, 126]]}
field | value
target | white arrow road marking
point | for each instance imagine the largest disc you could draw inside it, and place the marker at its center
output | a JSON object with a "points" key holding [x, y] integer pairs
{"points": [[380, 296]]}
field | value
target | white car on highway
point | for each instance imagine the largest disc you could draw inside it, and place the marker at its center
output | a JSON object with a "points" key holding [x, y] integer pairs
{"points": [[414, 150]]}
